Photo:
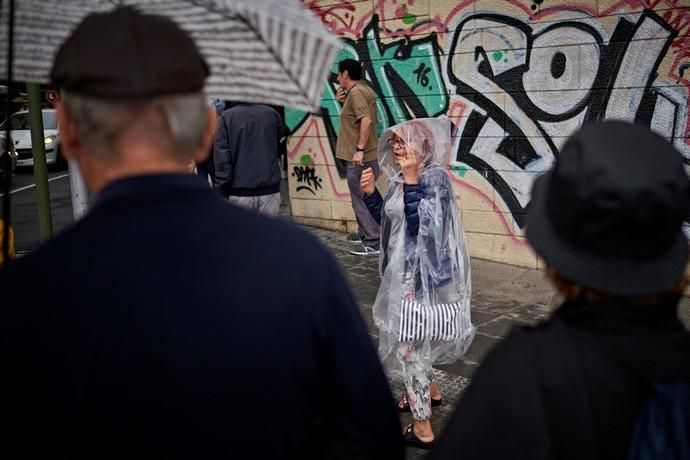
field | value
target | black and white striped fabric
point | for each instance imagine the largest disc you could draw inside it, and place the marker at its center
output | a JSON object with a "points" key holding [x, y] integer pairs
{"points": [[268, 51], [420, 322]]}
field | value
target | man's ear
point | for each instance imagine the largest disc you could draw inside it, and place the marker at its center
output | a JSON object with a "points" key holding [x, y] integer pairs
{"points": [[210, 127], [69, 137]]}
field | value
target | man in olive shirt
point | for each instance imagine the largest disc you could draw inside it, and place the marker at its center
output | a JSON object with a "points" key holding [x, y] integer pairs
{"points": [[358, 145]]}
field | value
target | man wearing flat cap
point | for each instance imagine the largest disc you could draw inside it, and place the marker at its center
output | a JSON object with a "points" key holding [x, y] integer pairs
{"points": [[138, 344], [608, 375]]}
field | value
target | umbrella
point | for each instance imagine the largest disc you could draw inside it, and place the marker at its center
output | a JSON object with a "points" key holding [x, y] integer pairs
{"points": [[268, 51]]}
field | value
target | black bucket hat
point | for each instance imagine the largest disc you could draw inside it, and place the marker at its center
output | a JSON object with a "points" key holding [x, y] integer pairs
{"points": [[609, 214]]}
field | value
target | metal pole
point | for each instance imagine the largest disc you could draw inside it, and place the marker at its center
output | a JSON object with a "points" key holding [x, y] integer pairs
{"points": [[6, 215], [80, 195], [45, 219]]}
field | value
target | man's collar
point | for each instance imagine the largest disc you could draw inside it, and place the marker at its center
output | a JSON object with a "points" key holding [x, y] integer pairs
{"points": [[150, 185]]}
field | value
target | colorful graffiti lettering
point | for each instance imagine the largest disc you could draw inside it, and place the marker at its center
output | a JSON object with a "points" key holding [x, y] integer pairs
{"points": [[349, 17], [524, 75], [530, 91], [406, 76]]}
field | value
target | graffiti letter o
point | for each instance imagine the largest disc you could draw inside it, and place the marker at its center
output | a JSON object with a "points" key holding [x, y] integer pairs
{"points": [[562, 67]]}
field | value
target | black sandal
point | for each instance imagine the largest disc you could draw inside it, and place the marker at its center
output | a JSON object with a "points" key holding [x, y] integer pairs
{"points": [[412, 440], [406, 403]]}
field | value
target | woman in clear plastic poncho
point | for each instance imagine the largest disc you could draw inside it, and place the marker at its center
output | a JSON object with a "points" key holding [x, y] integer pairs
{"points": [[423, 259]]}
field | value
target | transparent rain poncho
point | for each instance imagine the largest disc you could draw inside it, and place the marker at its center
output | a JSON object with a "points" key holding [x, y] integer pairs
{"points": [[434, 266]]}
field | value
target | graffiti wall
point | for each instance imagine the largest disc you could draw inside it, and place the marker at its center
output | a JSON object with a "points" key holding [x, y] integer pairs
{"points": [[517, 77]]}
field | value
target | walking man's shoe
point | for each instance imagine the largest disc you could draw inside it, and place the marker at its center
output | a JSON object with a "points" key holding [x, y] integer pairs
{"points": [[365, 250], [354, 238]]}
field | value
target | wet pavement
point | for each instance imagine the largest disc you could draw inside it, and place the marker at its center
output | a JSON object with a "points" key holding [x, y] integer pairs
{"points": [[503, 296]]}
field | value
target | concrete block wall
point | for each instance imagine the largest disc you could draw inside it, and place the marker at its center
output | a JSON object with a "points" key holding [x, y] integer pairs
{"points": [[516, 76]]}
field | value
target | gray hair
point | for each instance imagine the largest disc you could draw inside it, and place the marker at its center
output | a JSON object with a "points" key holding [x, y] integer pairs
{"points": [[174, 123]]}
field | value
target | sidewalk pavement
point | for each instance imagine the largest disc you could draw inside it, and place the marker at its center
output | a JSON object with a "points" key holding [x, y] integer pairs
{"points": [[503, 296]]}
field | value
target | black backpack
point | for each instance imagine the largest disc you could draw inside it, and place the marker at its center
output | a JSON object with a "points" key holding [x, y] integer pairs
{"points": [[662, 429]]}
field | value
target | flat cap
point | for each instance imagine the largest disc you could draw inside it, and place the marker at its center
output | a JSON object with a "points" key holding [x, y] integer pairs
{"points": [[126, 54]]}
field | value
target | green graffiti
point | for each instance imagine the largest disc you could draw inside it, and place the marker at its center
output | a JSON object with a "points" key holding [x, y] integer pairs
{"points": [[461, 170], [306, 160], [497, 55], [406, 76], [295, 117], [409, 19]]}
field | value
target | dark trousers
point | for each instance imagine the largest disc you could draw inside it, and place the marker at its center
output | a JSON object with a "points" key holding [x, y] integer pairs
{"points": [[206, 168], [369, 229]]}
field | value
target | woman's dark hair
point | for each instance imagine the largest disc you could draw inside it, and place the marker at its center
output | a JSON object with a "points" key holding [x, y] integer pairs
{"points": [[354, 68], [573, 291]]}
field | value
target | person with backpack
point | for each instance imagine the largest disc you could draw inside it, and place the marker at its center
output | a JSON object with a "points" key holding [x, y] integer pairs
{"points": [[606, 376]]}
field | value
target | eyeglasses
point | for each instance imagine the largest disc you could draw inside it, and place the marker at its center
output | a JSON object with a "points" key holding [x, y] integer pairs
{"points": [[393, 141]]}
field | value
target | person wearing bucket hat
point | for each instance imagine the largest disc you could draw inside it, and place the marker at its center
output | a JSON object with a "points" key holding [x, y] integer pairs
{"points": [[607, 221], [139, 342], [609, 215]]}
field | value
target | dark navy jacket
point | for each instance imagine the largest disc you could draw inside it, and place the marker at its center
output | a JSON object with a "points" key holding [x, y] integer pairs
{"points": [[428, 187], [412, 195], [246, 150], [122, 339]]}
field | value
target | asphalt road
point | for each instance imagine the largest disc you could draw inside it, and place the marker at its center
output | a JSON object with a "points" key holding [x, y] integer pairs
{"points": [[24, 211]]}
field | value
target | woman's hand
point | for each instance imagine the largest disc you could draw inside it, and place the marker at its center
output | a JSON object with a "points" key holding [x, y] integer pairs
{"points": [[409, 166], [367, 182]]}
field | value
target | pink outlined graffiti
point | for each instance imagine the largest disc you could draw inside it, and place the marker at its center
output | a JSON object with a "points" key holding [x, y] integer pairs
{"points": [[507, 226], [543, 12], [676, 17], [313, 125], [312, 130], [332, 16], [343, 24], [456, 110], [342, 19], [681, 21]]}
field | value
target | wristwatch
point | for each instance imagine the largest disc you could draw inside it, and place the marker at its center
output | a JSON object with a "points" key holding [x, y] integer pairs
{"points": [[360, 149]]}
